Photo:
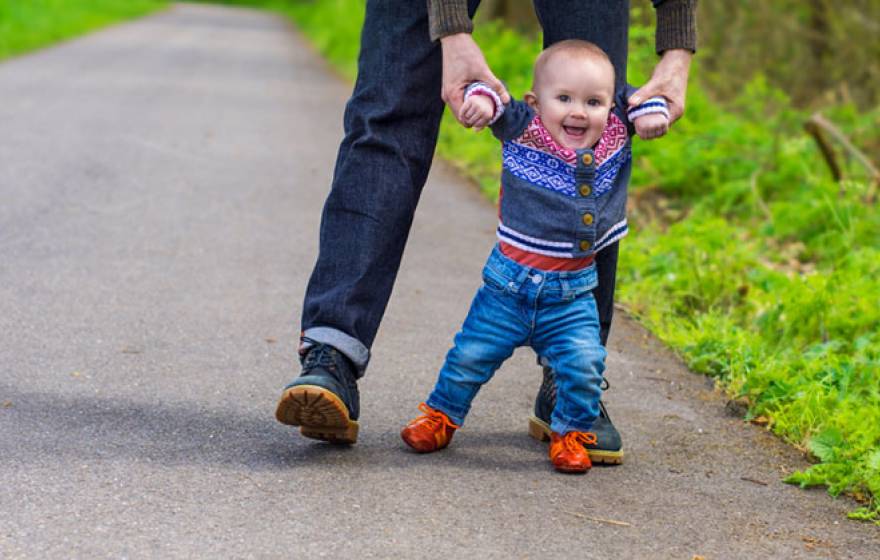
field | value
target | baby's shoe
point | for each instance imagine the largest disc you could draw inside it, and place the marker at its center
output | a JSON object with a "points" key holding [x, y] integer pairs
{"points": [[429, 432], [568, 454]]}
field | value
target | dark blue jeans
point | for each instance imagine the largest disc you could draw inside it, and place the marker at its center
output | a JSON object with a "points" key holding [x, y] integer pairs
{"points": [[391, 125]]}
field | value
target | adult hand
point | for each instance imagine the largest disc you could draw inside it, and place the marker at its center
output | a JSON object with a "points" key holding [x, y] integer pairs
{"points": [[669, 80], [463, 64]]}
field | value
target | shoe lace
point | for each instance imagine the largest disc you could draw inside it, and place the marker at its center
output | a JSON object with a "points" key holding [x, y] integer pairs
{"points": [[574, 441], [435, 419], [319, 355]]}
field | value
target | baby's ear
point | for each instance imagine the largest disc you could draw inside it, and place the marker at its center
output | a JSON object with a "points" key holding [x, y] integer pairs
{"points": [[531, 99]]}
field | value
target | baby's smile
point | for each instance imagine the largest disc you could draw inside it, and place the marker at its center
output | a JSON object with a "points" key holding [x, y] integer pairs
{"points": [[575, 132]]}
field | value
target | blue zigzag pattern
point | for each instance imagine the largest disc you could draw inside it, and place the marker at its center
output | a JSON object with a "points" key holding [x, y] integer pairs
{"points": [[606, 174], [539, 168]]}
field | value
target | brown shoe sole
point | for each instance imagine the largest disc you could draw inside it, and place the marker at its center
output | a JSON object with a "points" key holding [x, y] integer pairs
{"points": [[319, 413], [539, 430]]}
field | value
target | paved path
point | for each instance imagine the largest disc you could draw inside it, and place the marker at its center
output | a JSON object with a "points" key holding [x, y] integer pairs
{"points": [[160, 188]]}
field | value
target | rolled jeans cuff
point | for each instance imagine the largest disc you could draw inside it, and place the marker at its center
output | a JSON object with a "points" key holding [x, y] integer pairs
{"points": [[455, 413], [353, 349], [563, 426]]}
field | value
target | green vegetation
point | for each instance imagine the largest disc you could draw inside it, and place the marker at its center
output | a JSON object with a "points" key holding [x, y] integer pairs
{"points": [[748, 260], [29, 24], [762, 271], [815, 50]]}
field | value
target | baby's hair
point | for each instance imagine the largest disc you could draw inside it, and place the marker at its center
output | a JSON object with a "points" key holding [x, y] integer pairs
{"points": [[573, 47]]}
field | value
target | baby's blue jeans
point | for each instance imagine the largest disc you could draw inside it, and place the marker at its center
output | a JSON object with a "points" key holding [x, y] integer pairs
{"points": [[554, 313]]}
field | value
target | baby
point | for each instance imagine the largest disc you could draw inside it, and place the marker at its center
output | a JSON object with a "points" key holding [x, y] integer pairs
{"points": [[566, 166]]}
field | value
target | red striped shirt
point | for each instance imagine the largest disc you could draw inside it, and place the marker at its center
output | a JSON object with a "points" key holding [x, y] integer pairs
{"points": [[543, 262]]}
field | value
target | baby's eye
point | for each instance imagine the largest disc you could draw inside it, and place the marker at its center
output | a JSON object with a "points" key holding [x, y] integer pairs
{"points": [[564, 98], [594, 102]]}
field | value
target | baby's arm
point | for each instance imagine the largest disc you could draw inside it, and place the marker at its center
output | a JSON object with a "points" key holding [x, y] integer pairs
{"points": [[506, 121], [481, 106], [651, 118]]}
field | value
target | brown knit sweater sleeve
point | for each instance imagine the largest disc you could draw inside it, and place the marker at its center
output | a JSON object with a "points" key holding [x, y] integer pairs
{"points": [[676, 22], [676, 25], [448, 17]]}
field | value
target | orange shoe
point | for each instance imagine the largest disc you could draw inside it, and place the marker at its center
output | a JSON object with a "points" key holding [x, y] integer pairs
{"points": [[568, 454], [429, 432]]}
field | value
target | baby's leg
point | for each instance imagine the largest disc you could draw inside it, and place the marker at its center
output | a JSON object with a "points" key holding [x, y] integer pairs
{"points": [[568, 336], [492, 330]]}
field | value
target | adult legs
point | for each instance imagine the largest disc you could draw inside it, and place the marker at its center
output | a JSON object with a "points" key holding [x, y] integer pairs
{"points": [[606, 267], [391, 126]]}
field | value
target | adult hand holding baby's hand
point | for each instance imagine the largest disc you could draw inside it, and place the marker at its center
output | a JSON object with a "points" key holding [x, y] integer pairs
{"points": [[464, 64], [669, 80], [477, 111], [652, 125]]}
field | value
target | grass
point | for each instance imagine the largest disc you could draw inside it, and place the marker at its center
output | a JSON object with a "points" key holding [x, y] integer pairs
{"points": [[26, 25]]}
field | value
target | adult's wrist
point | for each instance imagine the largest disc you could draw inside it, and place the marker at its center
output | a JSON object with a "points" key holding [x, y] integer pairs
{"points": [[455, 40], [676, 61], [676, 25], [448, 17]]}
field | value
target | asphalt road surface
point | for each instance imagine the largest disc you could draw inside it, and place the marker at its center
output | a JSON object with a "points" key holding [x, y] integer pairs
{"points": [[160, 190]]}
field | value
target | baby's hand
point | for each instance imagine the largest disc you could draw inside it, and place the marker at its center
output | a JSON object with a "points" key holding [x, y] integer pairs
{"points": [[477, 111], [652, 125]]}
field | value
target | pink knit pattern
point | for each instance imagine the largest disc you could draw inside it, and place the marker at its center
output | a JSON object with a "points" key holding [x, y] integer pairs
{"points": [[538, 138], [613, 139]]}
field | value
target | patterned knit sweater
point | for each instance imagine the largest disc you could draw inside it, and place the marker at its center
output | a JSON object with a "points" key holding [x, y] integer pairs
{"points": [[676, 22], [559, 206]]}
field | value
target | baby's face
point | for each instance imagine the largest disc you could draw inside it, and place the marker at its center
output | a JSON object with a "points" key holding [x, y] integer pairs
{"points": [[573, 97]]}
